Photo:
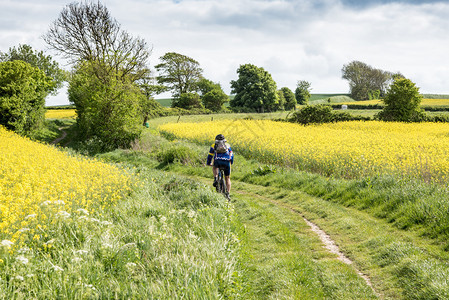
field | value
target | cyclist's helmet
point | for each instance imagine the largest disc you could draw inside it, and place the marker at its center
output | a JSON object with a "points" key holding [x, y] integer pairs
{"points": [[219, 137]]}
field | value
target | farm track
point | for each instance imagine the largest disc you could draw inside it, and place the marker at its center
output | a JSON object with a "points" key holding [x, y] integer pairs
{"points": [[61, 137], [241, 189]]}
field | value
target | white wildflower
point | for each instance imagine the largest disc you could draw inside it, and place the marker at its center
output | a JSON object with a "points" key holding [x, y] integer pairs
{"points": [[81, 252], [22, 259], [163, 219], [24, 229], [90, 286], [131, 265], [6, 243], [49, 242], [30, 216], [77, 259], [63, 214], [30, 275], [45, 203], [57, 268], [191, 214], [18, 277], [82, 210], [94, 220], [61, 202], [106, 223], [106, 245], [83, 218], [23, 250]]}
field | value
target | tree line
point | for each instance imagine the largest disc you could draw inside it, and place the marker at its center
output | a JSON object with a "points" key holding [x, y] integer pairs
{"points": [[113, 88]]}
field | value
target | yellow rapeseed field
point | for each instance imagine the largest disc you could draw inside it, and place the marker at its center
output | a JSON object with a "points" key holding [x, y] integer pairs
{"points": [[39, 184], [60, 114], [347, 149], [424, 102]]}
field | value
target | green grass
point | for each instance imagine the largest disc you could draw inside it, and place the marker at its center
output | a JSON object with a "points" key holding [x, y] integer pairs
{"points": [[394, 231], [173, 238]]}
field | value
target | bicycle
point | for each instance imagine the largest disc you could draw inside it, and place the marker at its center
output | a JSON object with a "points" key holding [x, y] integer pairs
{"points": [[221, 183]]}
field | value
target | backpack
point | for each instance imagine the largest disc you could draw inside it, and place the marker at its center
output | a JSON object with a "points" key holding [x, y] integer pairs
{"points": [[220, 146]]}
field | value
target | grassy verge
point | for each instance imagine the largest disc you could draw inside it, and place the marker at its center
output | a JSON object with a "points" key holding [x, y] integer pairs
{"points": [[171, 239]]}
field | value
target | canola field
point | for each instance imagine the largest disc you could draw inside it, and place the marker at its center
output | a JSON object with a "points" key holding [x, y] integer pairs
{"points": [[40, 185], [60, 114], [354, 149]]}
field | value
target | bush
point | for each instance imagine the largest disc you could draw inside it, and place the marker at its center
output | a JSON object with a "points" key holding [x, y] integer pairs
{"points": [[321, 113], [402, 102], [178, 153]]}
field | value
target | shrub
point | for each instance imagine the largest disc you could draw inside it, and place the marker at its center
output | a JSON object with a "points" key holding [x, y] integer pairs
{"points": [[402, 102]]}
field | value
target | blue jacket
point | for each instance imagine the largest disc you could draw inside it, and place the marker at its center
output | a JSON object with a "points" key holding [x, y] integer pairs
{"points": [[228, 156]]}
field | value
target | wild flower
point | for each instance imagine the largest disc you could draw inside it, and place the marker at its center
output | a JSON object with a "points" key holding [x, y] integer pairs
{"points": [[22, 259], [19, 278], [6, 243], [57, 268]]}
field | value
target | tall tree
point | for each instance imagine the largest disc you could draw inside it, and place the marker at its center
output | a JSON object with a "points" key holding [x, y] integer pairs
{"points": [[23, 89], [289, 97], [179, 73], [302, 92], [86, 31], [108, 109], [212, 95], [364, 79], [39, 60], [255, 90]]}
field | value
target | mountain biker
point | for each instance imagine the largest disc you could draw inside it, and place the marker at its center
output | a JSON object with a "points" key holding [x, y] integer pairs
{"points": [[223, 157]]}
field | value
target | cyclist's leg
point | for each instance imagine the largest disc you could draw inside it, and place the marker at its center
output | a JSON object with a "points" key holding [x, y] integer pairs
{"points": [[227, 173], [228, 183]]}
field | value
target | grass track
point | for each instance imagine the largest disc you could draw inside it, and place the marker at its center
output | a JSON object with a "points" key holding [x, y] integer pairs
{"points": [[284, 259]]}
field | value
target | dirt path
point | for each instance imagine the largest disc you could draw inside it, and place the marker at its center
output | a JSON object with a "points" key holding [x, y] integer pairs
{"points": [[60, 138], [326, 239]]}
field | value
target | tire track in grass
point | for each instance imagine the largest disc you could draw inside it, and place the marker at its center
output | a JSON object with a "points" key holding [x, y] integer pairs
{"points": [[325, 238]]}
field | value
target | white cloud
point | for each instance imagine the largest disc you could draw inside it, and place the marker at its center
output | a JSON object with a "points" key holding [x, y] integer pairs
{"points": [[293, 40]]}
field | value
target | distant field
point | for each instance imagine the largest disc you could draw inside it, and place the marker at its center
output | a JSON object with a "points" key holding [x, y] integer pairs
{"points": [[424, 102]]}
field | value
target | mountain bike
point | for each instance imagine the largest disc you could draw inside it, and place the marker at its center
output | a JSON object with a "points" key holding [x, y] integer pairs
{"points": [[221, 183]]}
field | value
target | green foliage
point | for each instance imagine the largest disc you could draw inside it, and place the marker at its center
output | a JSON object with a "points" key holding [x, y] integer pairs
{"points": [[364, 79], [23, 89], [212, 95], [108, 109], [321, 113], [39, 60], [302, 93], [402, 102], [290, 98], [281, 100], [255, 90], [187, 101], [179, 153], [179, 73]]}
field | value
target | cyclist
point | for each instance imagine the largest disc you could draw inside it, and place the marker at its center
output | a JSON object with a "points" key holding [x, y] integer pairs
{"points": [[223, 157]]}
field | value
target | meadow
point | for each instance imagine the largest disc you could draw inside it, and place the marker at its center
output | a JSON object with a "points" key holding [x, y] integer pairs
{"points": [[74, 227]]}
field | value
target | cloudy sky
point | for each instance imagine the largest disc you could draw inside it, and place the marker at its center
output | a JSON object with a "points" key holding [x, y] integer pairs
{"points": [[292, 39]]}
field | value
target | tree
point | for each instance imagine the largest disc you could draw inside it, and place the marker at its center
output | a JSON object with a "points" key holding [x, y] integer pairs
{"points": [[39, 60], [23, 89], [212, 95], [187, 101], [179, 73], [402, 102], [108, 109], [281, 100], [290, 99], [364, 79], [255, 90], [302, 92], [86, 31]]}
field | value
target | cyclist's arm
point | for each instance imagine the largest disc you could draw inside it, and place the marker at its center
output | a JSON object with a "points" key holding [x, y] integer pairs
{"points": [[231, 154], [210, 156]]}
